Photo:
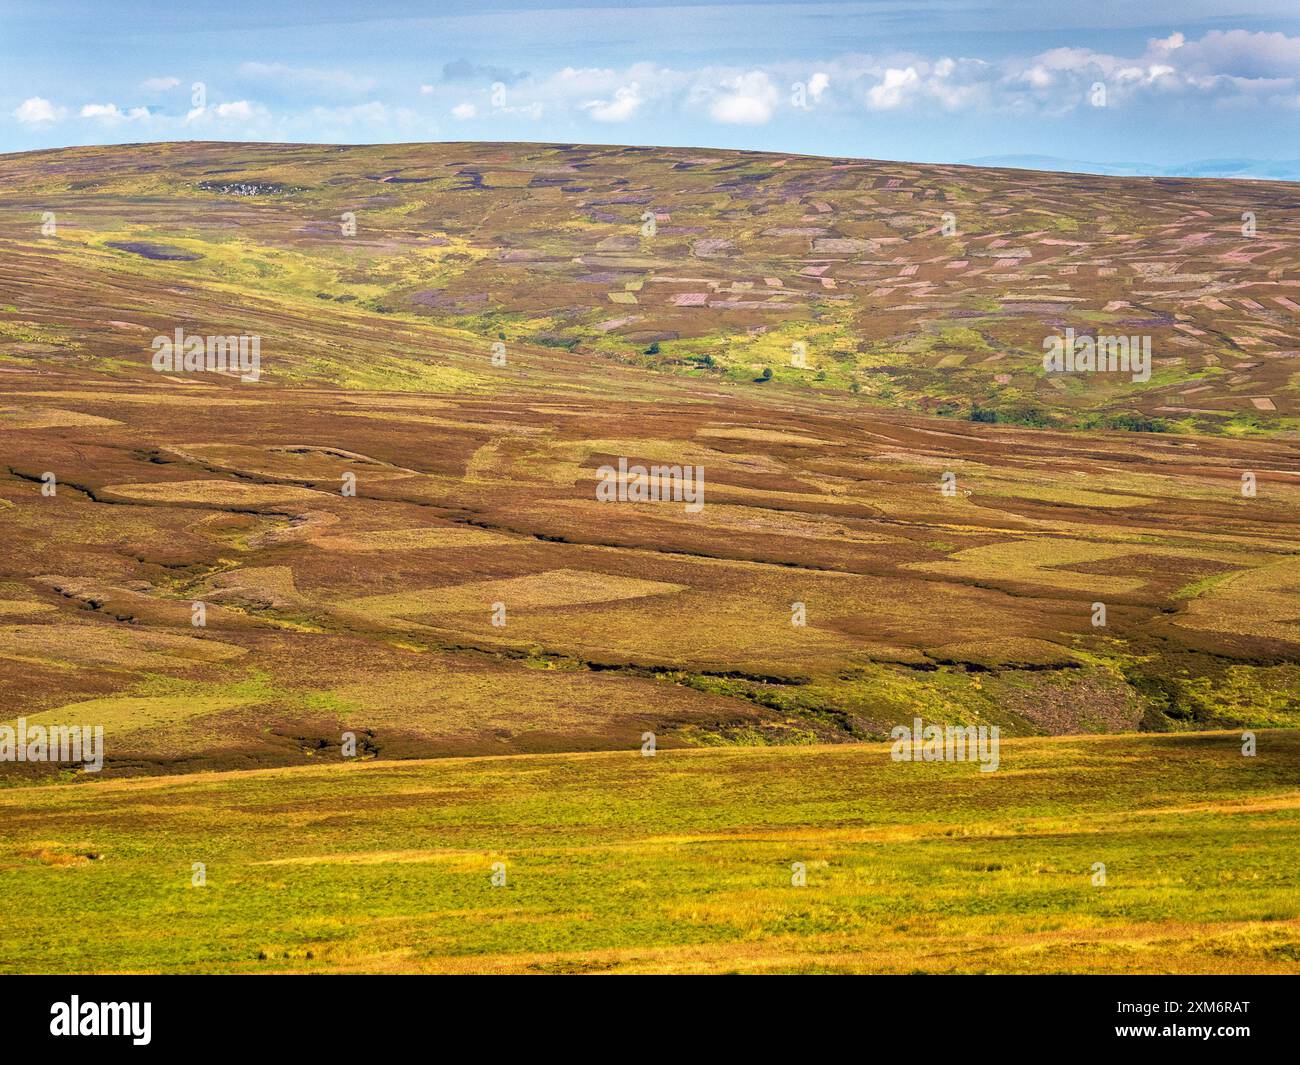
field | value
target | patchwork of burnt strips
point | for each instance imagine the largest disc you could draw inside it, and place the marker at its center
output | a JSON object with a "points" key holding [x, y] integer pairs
{"points": [[361, 416], [932, 288]]}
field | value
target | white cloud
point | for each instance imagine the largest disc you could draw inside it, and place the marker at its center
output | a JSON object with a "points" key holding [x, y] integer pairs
{"points": [[239, 109], [36, 111], [627, 99], [1073, 59], [232, 112], [897, 87], [1223, 68], [1236, 53], [1037, 76], [584, 79], [749, 100], [111, 113]]}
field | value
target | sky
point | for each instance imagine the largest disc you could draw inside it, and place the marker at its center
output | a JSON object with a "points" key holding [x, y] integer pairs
{"points": [[1151, 84]]}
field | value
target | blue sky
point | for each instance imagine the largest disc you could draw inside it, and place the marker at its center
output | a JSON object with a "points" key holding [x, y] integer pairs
{"points": [[1158, 83]]}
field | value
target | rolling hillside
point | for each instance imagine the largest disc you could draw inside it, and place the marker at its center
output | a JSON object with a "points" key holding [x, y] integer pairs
{"points": [[358, 622]]}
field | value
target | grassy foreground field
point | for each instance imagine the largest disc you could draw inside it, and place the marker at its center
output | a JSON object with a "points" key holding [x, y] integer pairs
{"points": [[677, 863]]}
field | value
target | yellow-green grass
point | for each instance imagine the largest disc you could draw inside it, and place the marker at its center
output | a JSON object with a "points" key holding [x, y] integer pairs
{"points": [[139, 713], [443, 537], [1260, 602], [118, 648], [678, 862], [21, 607], [1047, 560], [534, 591], [49, 418], [221, 493]]}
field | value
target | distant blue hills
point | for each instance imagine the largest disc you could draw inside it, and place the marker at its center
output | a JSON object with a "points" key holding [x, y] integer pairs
{"points": [[1271, 169]]}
